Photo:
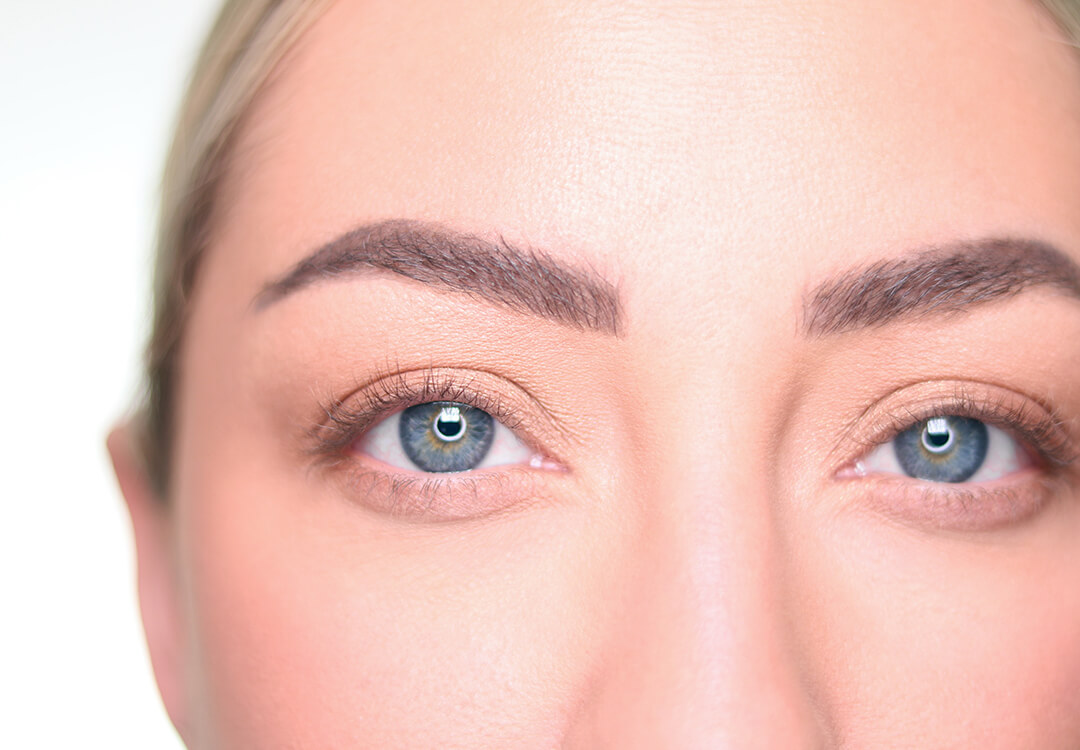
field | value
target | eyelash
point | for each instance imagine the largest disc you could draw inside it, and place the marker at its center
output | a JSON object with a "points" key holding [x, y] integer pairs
{"points": [[966, 506], [448, 497], [1043, 432], [390, 393], [474, 494]]}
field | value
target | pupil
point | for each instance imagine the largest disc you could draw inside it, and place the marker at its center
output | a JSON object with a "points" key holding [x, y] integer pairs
{"points": [[450, 425], [937, 436]]}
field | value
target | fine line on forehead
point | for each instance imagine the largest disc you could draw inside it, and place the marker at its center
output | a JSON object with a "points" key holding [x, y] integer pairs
{"points": [[522, 279], [939, 280]]}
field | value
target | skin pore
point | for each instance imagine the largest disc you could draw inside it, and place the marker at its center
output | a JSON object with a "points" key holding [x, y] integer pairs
{"points": [[612, 226]]}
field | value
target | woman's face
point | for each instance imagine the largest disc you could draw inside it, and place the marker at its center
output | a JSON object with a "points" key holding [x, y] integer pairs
{"points": [[780, 363]]}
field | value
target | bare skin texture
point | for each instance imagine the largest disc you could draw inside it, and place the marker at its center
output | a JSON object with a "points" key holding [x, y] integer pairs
{"points": [[688, 556]]}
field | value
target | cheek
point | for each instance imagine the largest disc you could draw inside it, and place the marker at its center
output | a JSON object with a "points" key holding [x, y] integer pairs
{"points": [[947, 642], [317, 624]]}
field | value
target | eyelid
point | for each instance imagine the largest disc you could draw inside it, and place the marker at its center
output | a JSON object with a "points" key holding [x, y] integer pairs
{"points": [[430, 498], [961, 507], [1036, 425], [433, 497], [344, 419]]}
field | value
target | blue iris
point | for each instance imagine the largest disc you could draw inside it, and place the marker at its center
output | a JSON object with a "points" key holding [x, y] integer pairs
{"points": [[444, 436], [942, 449]]}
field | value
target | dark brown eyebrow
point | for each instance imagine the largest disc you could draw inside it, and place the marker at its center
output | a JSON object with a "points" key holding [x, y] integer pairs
{"points": [[522, 279], [937, 280]]}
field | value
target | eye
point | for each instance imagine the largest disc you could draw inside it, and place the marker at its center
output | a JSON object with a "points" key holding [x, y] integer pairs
{"points": [[948, 449], [442, 437]]}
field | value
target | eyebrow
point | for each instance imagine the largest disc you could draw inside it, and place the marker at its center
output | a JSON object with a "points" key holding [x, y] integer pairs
{"points": [[937, 280], [523, 279]]}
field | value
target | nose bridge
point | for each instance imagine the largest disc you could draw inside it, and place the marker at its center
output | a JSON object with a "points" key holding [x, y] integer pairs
{"points": [[701, 655]]}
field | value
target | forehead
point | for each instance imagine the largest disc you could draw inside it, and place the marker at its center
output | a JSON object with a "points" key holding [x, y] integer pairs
{"points": [[723, 137]]}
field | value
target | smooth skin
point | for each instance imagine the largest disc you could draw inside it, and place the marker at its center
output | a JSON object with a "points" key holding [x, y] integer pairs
{"points": [[695, 572]]}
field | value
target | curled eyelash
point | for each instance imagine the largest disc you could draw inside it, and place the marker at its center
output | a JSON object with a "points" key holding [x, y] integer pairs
{"points": [[344, 420], [1048, 439], [347, 417], [1039, 427]]}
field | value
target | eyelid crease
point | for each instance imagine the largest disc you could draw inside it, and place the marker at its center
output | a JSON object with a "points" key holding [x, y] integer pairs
{"points": [[1037, 424]]}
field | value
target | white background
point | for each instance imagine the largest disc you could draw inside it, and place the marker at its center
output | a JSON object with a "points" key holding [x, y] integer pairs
{"points": [[88, 91]]}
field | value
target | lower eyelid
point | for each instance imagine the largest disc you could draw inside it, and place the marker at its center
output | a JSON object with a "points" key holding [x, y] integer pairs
{"points": [[982, 503], [433, 498], [378, 475], [960, 508], [1039, 473]]}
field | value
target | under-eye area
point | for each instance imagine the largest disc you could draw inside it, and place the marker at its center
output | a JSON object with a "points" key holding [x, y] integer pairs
{"points": [[436, 444], [959, 455]]}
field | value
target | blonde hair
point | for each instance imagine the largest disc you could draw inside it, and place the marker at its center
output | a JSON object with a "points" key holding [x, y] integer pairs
{"points": [[245, 46], [1067, 14]]}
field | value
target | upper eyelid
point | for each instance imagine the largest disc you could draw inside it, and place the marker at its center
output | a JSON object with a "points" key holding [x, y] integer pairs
{"points": [[383, 395], [1032, 419]]}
